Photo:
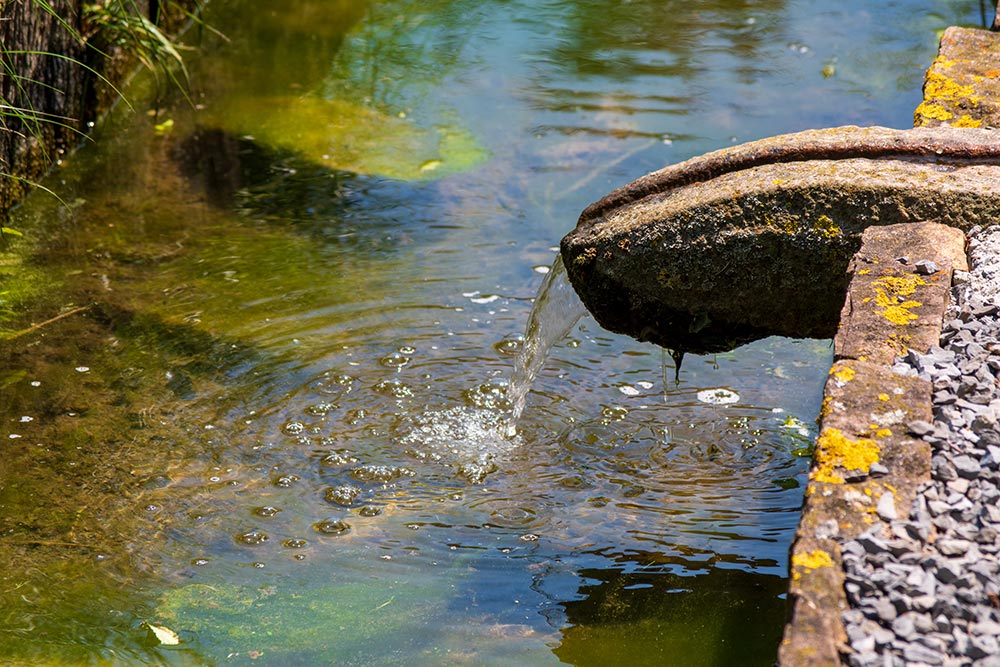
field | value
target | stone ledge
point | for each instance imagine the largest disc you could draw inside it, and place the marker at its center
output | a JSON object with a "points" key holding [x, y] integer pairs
{"points": [[866, 467]]}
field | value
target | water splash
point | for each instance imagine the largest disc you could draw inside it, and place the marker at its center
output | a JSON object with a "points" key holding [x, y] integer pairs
{"points": [[557, 308]]}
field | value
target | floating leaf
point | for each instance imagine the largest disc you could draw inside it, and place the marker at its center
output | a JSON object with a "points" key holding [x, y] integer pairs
{"points": [[164, 128], [164, 635]]}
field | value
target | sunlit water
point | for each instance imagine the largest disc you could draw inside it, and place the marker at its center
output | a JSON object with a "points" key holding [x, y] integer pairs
{"points": [[281, 424]]}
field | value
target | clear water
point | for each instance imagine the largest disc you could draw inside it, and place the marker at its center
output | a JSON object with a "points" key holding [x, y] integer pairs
{"points": [[556, 310], [278, 425]]}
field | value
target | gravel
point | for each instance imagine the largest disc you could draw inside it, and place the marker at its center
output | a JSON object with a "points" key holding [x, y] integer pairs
{"points": [[924, 584]]}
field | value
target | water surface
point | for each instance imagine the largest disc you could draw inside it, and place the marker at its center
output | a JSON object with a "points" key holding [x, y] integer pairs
{"points": [[277, 424]]}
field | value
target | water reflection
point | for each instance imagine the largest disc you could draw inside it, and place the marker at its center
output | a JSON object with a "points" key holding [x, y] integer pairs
{"points": [[286, 443]]}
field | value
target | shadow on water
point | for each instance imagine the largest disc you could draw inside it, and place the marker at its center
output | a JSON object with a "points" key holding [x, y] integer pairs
{"points": [[276, 425], [664, 614]]}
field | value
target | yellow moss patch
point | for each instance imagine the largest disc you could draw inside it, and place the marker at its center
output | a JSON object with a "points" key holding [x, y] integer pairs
{"points": [[835, 450]]}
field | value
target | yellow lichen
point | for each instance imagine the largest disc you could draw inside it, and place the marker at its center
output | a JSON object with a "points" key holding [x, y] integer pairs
{"points": [[813, 560], [889, 294], [882, 433], [883, 397], [842, 373], [928, 111], [835, 450], [967, 121], [939, 87], [864, 272], [826, 227], [825, 407]]}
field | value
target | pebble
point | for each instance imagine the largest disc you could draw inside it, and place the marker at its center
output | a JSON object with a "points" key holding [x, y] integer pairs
{"points": [[924, 582]]}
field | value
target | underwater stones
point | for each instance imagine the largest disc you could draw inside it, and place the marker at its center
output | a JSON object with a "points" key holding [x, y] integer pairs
{"points": [[759, 251]]}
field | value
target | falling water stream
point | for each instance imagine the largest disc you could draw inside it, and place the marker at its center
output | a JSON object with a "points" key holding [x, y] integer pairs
{"points": [[556, 310], [291, 410]]}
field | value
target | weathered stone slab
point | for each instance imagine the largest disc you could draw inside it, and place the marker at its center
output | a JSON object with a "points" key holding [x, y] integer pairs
{"points": [[761, 251], [863, 454], [962, 86], [899, 290]]}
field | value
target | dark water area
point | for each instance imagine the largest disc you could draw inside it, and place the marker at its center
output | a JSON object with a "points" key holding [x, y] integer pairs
{"points": [[272, 417]]}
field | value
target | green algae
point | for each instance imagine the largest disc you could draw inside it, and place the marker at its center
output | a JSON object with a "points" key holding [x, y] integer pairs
{"points": [[345, 136], [318, 624]]}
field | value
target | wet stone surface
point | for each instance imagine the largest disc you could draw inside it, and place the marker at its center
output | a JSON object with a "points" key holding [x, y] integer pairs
{"points": [[924, 587]]}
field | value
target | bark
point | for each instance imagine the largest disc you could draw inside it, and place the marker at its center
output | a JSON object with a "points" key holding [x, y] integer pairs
{"points": [[45, 73]]}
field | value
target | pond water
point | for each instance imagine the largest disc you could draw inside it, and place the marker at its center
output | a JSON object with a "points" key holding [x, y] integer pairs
{"points": [[274, 415]]}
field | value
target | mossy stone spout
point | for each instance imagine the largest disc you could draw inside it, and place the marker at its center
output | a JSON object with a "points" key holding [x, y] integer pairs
{"points": [[754, 240]]}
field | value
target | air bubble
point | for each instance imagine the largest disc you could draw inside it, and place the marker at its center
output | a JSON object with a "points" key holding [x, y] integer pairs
{"points": [[294, 543], [266, 511], [342, 495], [293, 427], [285, 481], [253, 537], [332, 527]]}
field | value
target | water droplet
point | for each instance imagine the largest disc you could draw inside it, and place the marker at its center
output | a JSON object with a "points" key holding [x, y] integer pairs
{"points": [[258, 565], [82, 369], [342, 495], [331, 527], [266, 511], [253, 537]]}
